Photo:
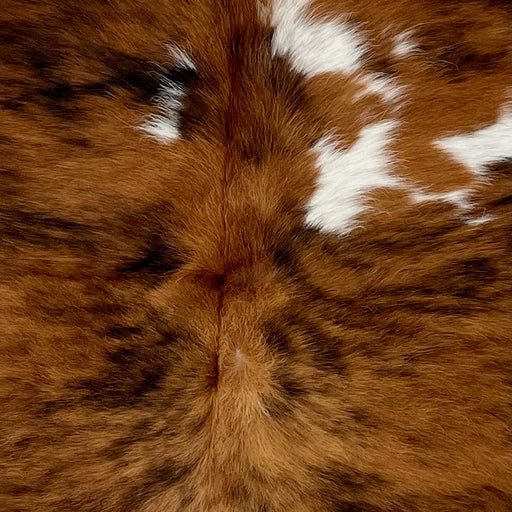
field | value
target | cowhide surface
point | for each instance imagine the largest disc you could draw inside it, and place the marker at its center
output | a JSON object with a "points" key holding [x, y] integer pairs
{"points": [[255, 255]]}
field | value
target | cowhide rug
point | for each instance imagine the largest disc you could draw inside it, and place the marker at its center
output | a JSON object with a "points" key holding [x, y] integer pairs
{"points": [[255, 256]]}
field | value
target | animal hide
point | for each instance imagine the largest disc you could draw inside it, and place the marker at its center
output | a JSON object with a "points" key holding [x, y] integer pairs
{"points": [[255, 256]]}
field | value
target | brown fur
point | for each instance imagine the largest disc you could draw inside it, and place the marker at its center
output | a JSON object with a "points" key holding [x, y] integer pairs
{"points": [[174, 339]]}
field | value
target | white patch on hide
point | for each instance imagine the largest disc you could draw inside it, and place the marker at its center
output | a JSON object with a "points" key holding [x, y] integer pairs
{"points": [[458, 198], [478, 149], [344, 176], [403, 45], [325, 46], [312, 46], [382, 86], [164, 127], [476, 221], [181, 59]]}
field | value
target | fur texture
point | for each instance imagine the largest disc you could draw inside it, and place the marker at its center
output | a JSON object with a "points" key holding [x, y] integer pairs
{"points": [[255, 256]]}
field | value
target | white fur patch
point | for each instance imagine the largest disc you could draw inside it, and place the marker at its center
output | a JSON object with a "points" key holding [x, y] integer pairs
{"points": [[346, 175], [164, 127], [403, 45], [476, 221], [458, 198], [478, 149], [314, 47], [382, 86], [181, 59], [330, 46]]}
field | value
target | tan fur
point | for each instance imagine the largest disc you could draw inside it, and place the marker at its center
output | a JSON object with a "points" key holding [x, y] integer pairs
{"points": [[172, 336]]}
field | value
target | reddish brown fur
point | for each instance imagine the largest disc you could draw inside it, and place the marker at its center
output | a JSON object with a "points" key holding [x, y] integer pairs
{"points": [[174, 339]]}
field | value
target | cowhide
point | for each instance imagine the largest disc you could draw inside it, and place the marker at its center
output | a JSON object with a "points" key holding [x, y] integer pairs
{"points": [[255, 256]]}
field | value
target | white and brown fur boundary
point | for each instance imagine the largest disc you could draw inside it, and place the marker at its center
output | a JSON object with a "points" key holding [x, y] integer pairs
{"points": [[255, 256]]}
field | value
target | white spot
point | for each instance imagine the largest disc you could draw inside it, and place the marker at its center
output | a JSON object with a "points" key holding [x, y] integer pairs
{"points": [[345, 175], [314, 46], [403, 45], [483, 147], [475, 221], [382, 86], [329, 46], [458, 198], [164, 126], [181, 58]]}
